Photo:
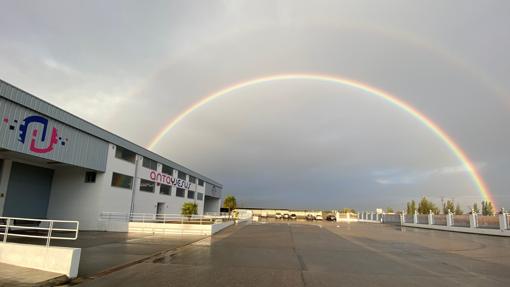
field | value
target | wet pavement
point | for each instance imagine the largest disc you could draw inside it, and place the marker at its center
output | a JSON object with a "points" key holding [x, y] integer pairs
{"points": [[325, 254]]}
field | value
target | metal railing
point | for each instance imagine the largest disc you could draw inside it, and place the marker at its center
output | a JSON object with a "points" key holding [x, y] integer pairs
{"points": [[38, 228], [164, 218]]}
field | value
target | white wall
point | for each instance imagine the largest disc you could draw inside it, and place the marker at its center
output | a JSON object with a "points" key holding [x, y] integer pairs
{"points": [[62, 260], [71, 198]]}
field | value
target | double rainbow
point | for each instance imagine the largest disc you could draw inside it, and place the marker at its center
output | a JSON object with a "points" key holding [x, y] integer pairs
{"points": [[440, 133]]}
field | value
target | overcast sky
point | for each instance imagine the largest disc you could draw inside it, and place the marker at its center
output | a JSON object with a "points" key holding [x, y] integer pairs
{"points": [[131, 66]]}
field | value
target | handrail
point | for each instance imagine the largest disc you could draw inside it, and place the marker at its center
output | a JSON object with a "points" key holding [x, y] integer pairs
{"points": [[162, 218], [14, 224]]}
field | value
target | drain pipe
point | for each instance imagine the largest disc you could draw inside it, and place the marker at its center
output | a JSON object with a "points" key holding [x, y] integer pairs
{"points": [[132, 209]]}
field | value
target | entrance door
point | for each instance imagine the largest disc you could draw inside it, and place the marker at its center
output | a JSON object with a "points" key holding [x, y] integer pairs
{"points": [[28, 192], [160, 210]]}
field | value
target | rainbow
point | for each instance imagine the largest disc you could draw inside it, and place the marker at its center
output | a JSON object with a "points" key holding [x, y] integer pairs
{"points": [[440, 133]]}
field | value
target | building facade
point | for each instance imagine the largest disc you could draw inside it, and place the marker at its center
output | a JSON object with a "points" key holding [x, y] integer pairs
{"points": [[55, 165]]}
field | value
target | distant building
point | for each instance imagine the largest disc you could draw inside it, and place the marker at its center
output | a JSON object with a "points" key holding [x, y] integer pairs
{"points": [[58, 166]]}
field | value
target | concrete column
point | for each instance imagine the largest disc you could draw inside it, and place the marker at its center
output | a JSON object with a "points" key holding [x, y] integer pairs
{"points": [[449, 218], [415, 217], [503, 220], [348, 217], [373, 216], [473, 220], [431, 217], [402, 218]]}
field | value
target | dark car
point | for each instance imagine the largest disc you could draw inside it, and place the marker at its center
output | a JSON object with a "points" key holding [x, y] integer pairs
{"points": [[293, 216], [331, 217], [310, 217]]}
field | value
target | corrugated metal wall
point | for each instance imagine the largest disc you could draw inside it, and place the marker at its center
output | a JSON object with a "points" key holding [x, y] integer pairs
{"points": [[21, 97], [73, 146]]}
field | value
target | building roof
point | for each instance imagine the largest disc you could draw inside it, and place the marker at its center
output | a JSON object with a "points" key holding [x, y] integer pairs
{"points": [[36, 104]]}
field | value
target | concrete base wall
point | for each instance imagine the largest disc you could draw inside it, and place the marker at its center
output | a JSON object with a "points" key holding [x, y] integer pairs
{"points": [[175, 228], [496, 232], [62, 260]]}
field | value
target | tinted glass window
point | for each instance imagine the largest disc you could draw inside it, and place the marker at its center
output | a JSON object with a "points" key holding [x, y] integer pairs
{"points": [[181, 175], [147, 185], [191, 194], [200, 182], [149, 163], [200, 196], [125, 154], [179, 192], [90, 176], [165, 189], [120, 180], [168, 170]]}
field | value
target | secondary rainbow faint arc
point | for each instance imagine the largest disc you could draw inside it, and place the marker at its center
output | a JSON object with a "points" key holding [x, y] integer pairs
{"points": [[454, 147]]}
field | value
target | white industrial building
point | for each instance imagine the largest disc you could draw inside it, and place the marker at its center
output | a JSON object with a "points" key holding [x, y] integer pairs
{"points": [[55, 165]]}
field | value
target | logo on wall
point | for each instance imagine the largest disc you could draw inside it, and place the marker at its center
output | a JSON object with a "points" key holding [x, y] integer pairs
{"points": [[50, 140]]}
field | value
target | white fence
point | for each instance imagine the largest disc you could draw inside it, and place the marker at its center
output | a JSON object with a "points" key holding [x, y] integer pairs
{"points": [[38, 228], [164, 218]]}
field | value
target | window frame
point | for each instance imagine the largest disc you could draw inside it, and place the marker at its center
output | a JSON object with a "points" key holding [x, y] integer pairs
{"points": [[151, 162], [89, 178], [165, 185], [190, 192], [183, 192], [119, 150], [200, 196], [120, 174], [149, 182]]}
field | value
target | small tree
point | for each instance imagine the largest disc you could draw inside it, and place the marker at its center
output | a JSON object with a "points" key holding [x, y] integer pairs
{"points": [[458, 210], [389, 210], [475, 208], [487, 208], [230, 203], [449, 205], [425, 206], [189, 208], [411, 207]]}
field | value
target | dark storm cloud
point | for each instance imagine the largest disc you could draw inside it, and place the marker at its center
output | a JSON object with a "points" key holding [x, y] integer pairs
{"points": [[298, 144]]}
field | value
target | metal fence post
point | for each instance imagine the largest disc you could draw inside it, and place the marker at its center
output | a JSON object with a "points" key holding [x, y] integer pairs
{"points": [[6, 231], [50, 231]]}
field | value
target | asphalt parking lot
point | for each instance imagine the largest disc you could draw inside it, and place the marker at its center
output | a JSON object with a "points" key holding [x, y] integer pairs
{"points": [[325, 254]]}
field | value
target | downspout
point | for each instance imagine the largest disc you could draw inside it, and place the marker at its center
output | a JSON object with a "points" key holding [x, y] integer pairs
{"points": [[131, 211]]}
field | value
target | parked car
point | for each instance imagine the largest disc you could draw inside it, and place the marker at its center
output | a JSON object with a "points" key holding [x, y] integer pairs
{"points": [[278, 215], [293, 216], [263, 215], [286, 216], [310, 217], [318, 217], [331, 217]]}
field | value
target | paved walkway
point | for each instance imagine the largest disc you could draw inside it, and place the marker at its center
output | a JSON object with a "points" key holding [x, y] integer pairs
{"points": [[326, 255], [18, 276], [101, 252]]}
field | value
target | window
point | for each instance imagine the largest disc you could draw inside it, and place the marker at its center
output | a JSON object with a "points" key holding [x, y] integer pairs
{"points": [[181, 175], [168, 170], [149, 163], [191, 194], [165, 189], [200, 182], [192, 179], [125, 154], [147, 185], [180, 192], [90, 176], [200, 196], [120, 180]]}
